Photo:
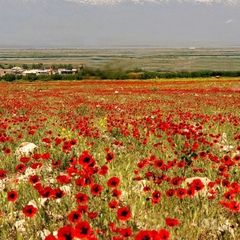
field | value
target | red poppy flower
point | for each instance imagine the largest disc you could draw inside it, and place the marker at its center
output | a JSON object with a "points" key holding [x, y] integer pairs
{"points": [[113, 182], [236, 158], [181, 164], [103, 170], [109, 157], [146, 189], [2, 174], [156, 196], [50, 237], [113, 204], [57, 193], [83, 229], [84, 181], [82, 198], [181, 192], [96, 189], [83, 208], [35, 165], [21, 168], [176, 181], [234, 206], [7, 150], [144, 235], [203, 154], [125, 232], [25, 159], [73, 161], [73, 142], [56, 163], [171, 222], [123, 214], [170, 192], [66, 233], [46, 192], [92, 215], [197, 185], [29, 210], [116, 193], [63, 179], [12, 196], [191, 192], [159, 164], [85, 159], [34, 179], [163, 234], [74, 216]]}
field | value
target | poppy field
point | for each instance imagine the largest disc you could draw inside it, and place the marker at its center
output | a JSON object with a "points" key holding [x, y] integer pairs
{"points": [[113, 160]]}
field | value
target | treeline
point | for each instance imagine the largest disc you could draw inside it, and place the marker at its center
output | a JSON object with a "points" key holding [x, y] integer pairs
{"points": [[91, 73]]}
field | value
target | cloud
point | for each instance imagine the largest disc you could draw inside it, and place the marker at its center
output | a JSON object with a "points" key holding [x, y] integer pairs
{"points": [[113, 2], [228, 2], [230, 21]]}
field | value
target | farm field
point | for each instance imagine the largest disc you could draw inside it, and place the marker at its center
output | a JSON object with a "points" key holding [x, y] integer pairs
{"points": [[149, 59], [112, 160]]}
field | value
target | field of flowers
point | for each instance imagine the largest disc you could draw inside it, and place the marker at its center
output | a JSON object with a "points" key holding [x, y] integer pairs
{"points": [[144, 160]]}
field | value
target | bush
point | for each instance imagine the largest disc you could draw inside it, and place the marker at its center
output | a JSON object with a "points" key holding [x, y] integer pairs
{"points": [[9, 77]]}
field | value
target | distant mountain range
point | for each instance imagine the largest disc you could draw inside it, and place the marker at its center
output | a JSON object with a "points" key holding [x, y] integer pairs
{"points": [[119, 23]]}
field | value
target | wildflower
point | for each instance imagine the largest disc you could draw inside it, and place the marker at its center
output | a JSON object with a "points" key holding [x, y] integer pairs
{"points": [[56, 163], [163, 234], [85, 159], [170, 192], [103, 170], [144, 235], [66, 233], [58, 193], [125, 232], [50, 237], [159, 164], [34, 179], [7, 150], [96, 189], [83, 229], [109, 157], [92, 215], [123, 214], [2, 174], [203, 155], [74, 216], [83, 208], [29, 210], [63, 179], [82, 198], [181, 192], [171, 222], [116, 193], [21, 168], [156, 195], [146, 189], [113, 204], [113, 182], [12, 196], [25, 159], [46, 192], [197, 184]]}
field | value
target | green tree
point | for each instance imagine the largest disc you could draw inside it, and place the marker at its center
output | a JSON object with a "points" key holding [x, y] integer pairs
{"points": [[9, 77], [25, 66]]}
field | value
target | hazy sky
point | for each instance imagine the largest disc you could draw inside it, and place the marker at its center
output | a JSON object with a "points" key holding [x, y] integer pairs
{"points": [[119, 23]]}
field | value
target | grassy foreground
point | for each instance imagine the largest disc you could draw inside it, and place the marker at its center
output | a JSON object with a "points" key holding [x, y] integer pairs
{"points": [[140, 160]]}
